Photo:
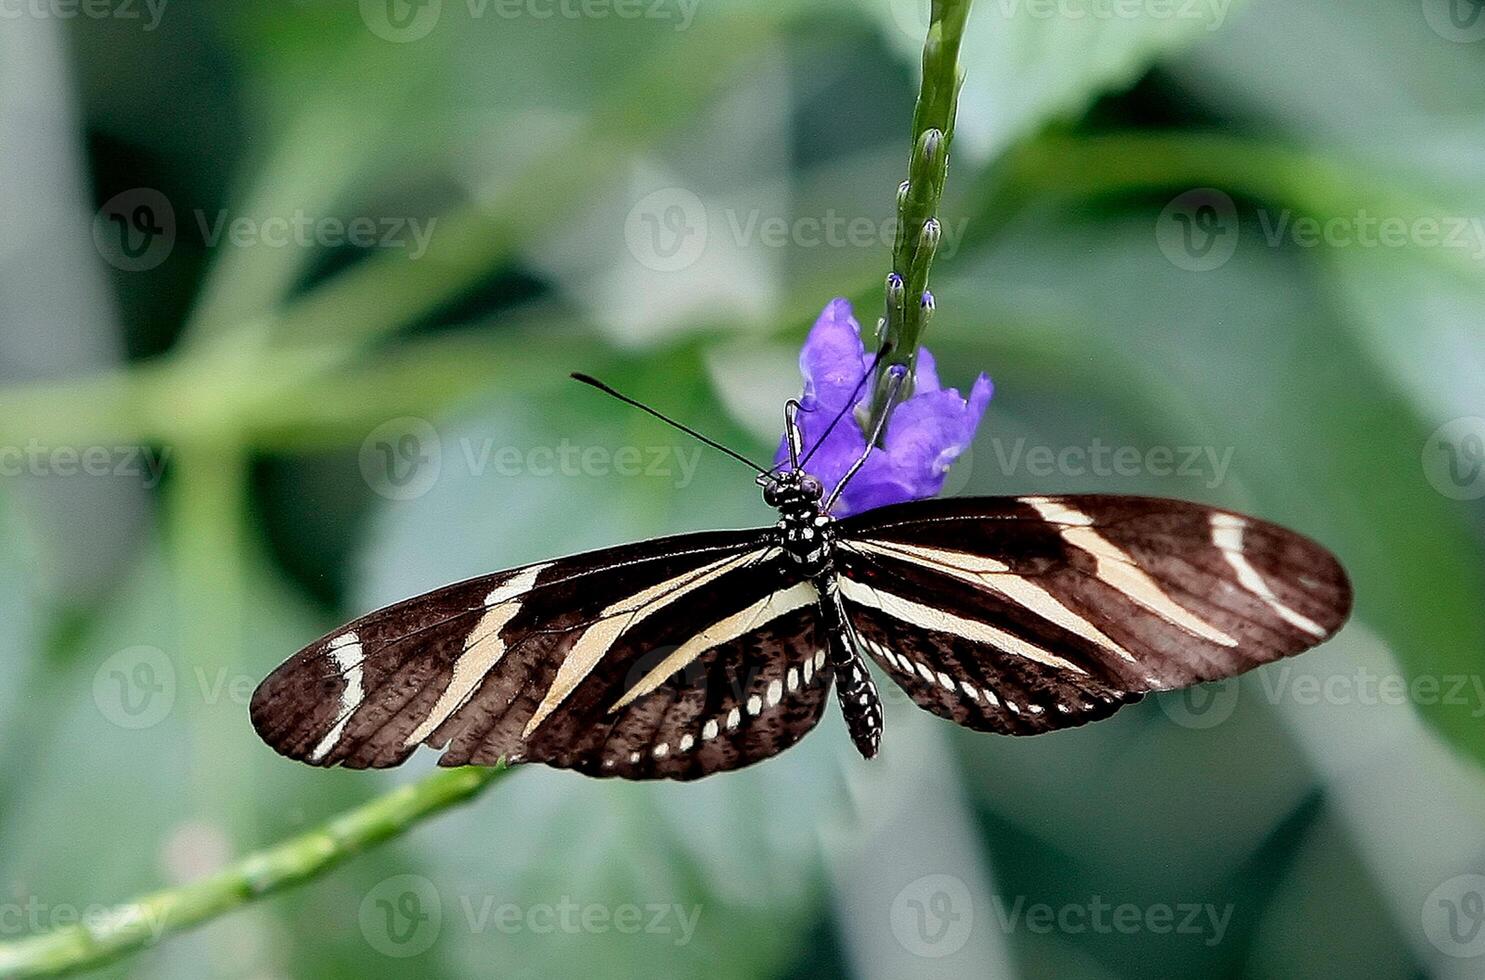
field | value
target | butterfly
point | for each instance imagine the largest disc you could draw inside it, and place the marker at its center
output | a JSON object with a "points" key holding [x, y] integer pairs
{"points": [[700, 653]]}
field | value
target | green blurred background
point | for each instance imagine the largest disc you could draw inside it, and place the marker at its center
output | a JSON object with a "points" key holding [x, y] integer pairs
{"points": [[331, 263]]}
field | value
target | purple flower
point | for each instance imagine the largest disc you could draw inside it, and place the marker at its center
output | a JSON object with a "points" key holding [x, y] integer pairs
{"points": [[925, 434]]}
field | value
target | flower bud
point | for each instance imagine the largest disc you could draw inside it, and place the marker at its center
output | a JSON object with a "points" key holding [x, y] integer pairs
{"points": [[930, 236], [929, 146], [895, 290]]}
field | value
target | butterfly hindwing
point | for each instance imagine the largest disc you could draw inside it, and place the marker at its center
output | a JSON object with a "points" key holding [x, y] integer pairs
{"points": [[1024, 615], [592, 662]]}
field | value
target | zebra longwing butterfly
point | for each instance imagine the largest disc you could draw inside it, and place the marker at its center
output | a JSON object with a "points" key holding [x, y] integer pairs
{"points": [[699, 653]]}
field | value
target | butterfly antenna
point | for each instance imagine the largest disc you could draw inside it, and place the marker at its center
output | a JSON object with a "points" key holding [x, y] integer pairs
{"points": [[588, 379], [894, 385], [850, 404]]}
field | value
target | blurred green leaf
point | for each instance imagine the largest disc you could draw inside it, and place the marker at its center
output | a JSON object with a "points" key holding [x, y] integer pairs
{"points": [[1029, 62]]}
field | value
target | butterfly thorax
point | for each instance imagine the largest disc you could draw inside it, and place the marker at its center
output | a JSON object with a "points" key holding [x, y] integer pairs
{"points": [[803, 531]]}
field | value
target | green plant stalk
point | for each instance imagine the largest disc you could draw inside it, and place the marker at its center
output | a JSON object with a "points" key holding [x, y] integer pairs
{"points": [[141, 923], [909, 304]]}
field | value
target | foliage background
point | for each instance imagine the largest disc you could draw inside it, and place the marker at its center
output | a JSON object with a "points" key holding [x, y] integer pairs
{"points": [[1339, 832]]}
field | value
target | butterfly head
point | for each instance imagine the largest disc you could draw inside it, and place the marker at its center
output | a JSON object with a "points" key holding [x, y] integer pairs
{"points": [[793, 490]]}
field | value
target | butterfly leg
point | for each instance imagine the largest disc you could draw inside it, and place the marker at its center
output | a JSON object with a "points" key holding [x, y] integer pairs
{"points": [[857, 692]]}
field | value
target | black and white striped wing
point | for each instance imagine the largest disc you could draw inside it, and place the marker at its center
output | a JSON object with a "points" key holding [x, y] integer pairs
{"points": [[672, 658], [1025, 615]]}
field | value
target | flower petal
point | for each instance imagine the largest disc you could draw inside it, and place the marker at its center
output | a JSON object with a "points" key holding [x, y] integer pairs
{"points": [[832, 357], [926, 433]]}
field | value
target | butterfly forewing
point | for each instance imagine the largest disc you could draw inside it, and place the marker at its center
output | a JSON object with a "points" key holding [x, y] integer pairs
{"points": [[615, 662], [1023, 615]]}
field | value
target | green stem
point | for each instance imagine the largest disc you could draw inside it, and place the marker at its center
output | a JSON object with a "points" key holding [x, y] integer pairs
{"points": [[145, 921], [909, 303]]}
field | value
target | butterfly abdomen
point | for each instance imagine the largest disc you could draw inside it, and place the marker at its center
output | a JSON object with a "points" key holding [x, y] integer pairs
{"points": [[856, 691]]}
